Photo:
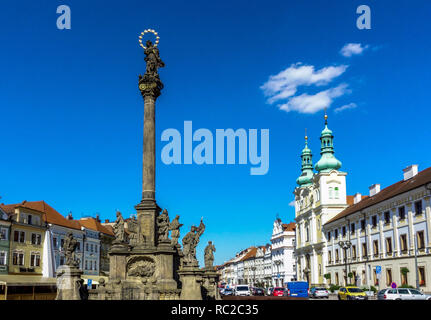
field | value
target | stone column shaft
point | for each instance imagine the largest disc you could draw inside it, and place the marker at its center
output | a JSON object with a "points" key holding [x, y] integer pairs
{"points": [[149, 150]]}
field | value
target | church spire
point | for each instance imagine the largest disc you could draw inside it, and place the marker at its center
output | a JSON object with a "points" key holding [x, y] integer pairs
{"points": [[306, 176], [327, 161]]}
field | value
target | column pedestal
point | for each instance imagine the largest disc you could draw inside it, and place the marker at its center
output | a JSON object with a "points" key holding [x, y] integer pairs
{"points": [[68, 283], [191, 279]]}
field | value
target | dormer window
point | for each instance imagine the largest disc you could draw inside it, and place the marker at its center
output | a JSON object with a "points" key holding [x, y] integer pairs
{"points": [[29, 219]]}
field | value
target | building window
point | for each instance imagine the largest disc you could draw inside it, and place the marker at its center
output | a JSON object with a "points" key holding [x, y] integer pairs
{"points": [[329, 257], [329, 236], [403, 240], [364, 250], [18, 258], [388, 277], [3, 234], [344, 231], [19, 236], [387, 217], [352, 228], [78, 247], [86, 247], [374, 221], [61, 260], [336, 279], [54, 241], [402, 213], [389, 245], [418, 207], [95, 248], [337, 194], [36, 239], [420, 240], [86, 265], [362, 225], [29, 219], [330, 193], [422, 276], [3, 257], [336, 234], [354, 252], [376, 247], [35, 259], [404, 279], [62, 243], [336, 255]]}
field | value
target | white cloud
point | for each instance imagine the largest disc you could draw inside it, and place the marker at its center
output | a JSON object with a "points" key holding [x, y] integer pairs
{"points": [[284, 85], [292, 203], [346, 107], [306, 103], [351, 49]]}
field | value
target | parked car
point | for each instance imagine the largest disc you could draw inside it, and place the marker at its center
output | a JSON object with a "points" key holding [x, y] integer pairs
{"points": [[278, 292], [258, 292], [297, 289], [319, 292], [402, 294], [351, 293], [228, 292], [242, 290], [269, 293]]}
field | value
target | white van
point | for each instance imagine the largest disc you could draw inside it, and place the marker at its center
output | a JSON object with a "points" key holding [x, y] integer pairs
{"points": [[242, 290]]}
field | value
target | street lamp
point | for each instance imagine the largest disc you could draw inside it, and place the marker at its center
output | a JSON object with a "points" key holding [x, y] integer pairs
{"points": [[345, 245]]}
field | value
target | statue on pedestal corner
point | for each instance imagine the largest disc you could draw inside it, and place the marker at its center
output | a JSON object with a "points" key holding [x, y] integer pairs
{"points": [[153, 59], [69, 248], [209, 255], [120, 234], [190, 242], [175, 226], [163, 226]]}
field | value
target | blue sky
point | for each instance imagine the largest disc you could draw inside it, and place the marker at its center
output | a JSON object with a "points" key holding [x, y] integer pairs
{"points": [[71, 113]]}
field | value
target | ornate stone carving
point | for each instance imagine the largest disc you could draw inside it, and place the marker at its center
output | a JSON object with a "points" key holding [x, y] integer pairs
{"points": [[150, 84], [209, 255], [139, 266], [69, 248]]}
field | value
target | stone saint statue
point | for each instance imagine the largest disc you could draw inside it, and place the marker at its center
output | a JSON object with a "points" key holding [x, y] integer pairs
{"points": [[163, 226], [209, 255], [69, 248], [153, 59], [190, 242], [120, 235], [175, 226]]}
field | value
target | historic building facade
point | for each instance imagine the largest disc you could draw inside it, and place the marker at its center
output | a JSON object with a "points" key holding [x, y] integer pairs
{"points": [[26, 239], [319, 197], [385, 229], [269, 266], [4, 242], [282, 253]]}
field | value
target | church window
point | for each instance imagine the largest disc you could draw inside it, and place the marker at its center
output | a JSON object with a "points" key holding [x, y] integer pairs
{"points": [[336, 193]]}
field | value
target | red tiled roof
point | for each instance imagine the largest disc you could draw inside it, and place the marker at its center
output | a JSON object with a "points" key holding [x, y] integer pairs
{"points": [[289, 227], [393, 190], [50, 214], [93, 224], [250, 254]]}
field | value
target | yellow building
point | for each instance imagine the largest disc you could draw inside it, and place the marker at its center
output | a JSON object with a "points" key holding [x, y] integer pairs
{"points": [[26, 239]]}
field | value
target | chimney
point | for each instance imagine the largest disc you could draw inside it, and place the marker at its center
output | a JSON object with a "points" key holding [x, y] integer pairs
{"points": [[106, 220], [374, 189], [410, 171], [357, 198], [69, 216]]}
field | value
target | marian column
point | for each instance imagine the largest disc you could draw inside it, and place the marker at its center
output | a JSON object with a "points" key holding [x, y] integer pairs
{"points": [[150, 86]]}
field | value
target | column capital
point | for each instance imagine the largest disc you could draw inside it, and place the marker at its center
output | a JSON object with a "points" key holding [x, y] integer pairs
{"points": [[150, 85]]}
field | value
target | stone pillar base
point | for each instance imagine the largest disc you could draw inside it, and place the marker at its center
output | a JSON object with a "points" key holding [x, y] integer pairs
{"points": [[68, 283], [210, 281], [191, 279]]}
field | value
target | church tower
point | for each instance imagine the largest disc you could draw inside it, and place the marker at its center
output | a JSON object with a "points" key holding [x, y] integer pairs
{"points": [[306, 177]]}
